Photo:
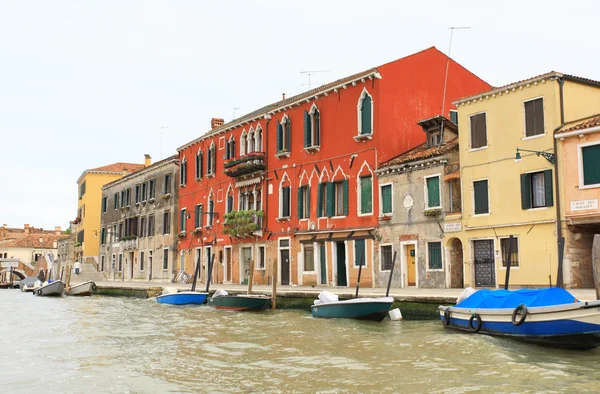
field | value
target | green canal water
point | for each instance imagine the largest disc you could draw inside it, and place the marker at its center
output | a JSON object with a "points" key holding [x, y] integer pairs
{"points": [[106, 344]]}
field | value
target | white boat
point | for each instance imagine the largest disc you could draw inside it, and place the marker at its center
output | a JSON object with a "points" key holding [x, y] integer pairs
{"points": [[82, 289], [55, 288]]}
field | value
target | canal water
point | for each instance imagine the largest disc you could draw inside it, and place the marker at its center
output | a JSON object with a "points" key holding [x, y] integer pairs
{"points": [[102, 344]]}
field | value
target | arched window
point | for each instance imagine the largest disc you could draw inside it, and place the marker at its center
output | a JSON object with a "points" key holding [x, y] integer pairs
{"points": [[285, 197], [312, 128], [211, 209], [365, 113], [199, 156], [183, 172], [258, 139], [243, 143], [229, 200], [284, 131], [211, 160], [230, 148], [251, 142]]}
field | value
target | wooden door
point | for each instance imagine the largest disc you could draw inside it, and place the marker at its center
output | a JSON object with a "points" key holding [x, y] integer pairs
{"points": [[341, 264], [323, 262], [410, 265], [229, 264], [285, 266]]}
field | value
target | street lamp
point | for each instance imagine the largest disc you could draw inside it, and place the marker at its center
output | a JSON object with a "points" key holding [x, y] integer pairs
{"points": [[551, 157]]}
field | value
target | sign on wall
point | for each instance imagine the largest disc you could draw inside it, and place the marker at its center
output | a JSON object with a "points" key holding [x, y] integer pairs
{"points": [[584, 205], [6, 264], [452, 227]]}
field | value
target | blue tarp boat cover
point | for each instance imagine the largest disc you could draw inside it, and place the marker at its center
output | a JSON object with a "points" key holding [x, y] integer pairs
{"points": [[512, 298]]}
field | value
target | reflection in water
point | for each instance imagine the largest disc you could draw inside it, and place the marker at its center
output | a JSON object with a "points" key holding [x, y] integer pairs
{"points": [[102, 344]]}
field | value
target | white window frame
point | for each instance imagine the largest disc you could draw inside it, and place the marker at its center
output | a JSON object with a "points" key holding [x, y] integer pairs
{"points": [[362, 96], [184, 226], [304, 271], [381, 185], [279, 249], [359, 192], [487, 135], [427, 242], [518, 238], [524, 118], [580, 164], [209, 214], [439, 177], [381, 256], [243, 142], [473, 198], [165, 253], [258, 138], [281, 186], [256, 266], [313, 133], [183, 172]]}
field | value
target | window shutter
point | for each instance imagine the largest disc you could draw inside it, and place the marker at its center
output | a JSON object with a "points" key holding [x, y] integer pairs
{"points": [[454, 116], [330, 199], [320, 188], [590, 156], [307, 139], [481, 197], [279, 137], [386, 198], [201, 161], [317, 117], [474, 139], [208, 162], [359, 252], [227, 157], [525, 191], [482, 130], [366, 195], [345, 184], [539, 116], [288, 131], [433, 192], [530, 118], [300, 213], [548, 187], [307, 213], [366, 115]]}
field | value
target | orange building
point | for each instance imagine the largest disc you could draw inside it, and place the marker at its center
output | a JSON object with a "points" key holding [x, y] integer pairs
{"points": [[306, 163]]}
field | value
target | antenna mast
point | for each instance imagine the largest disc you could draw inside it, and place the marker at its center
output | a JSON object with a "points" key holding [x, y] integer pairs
{"points": [[448, 63], [309, 73]]}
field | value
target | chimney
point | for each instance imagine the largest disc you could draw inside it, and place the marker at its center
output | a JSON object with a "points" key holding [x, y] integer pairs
{"points": [[57, 230], [5, 225], [216, 122], [282, 96], [147, 160], [26, 227]]}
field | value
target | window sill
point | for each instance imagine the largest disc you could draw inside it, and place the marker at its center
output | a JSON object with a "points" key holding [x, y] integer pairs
{"points": [[481, 214], [365, 214], [478, 149], [283, 219], [309, 272], [434, 270], [151, 200], [312, 149], [208, 227], [594, 186], [212, 175], [537, 208], [358, 266], [281, 155], [533, 137], [511, 267], [197, 179], [166, 195], [385, 218], [363, 137]]}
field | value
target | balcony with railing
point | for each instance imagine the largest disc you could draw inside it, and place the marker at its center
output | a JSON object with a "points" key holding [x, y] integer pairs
{"points": [[129, 242], [245, 166]]}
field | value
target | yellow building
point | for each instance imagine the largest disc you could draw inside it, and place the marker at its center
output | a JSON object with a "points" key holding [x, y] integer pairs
{"points": [[505, 193], [87, 224]]}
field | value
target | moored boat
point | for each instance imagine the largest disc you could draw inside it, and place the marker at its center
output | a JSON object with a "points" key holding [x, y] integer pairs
{"points": [[328, 306], [54, 288], [551, 317], [182, 298], [82, 289], [222, 300]]}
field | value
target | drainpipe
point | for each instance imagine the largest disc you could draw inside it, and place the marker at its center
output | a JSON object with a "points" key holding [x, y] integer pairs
{"points": [[265, 196], [560, 251]]}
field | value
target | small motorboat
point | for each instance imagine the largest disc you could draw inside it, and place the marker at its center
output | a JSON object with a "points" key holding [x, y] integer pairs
{"points": [[328, 306], [51, 288], [551, 316], [30, 283], [82, 289], [222, 300], [182, 298]]}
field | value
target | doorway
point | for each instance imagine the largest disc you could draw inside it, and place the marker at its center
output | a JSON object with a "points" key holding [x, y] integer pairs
{"points": [[341, 264], [198, 262], [485, 265], [456, 264], [131, 265], [207, 258], [411, 269], [228, 265], [323, 262], [246, 257], [149, 265], [285, 266]]}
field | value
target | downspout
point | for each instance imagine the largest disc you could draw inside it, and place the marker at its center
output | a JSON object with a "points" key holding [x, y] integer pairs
{"points": [[265, 197], [560, 251]]}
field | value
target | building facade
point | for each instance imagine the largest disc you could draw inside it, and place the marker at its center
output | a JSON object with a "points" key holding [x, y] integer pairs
{"points": [[137, 236], [508, 172], [417, 190], [293, 183], [87, 223]]}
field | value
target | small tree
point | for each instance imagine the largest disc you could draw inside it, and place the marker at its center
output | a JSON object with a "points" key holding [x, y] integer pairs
{"points": [[241, 223]]}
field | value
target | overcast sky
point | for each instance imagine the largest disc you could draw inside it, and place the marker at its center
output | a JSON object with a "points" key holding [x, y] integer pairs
{"points": [[88, 83]]}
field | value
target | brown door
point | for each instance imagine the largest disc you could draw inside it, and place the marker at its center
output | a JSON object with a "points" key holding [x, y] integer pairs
{"points": [[229, 264], [285, 266], [410, 265], [131, 264]]}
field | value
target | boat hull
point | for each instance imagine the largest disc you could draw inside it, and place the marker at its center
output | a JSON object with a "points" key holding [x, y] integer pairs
{"points": [[571, 326], [83, 289], [182, 298], [54, 289], [368, 310], [240, 302]]}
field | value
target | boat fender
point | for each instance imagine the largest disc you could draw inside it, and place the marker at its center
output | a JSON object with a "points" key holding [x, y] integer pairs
{"points": [[520, 309], [94, 287], [39, 292], [447, 317], [479, 322]]}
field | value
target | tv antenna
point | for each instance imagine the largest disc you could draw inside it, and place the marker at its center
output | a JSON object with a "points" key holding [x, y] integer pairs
{"points": [[309, 73], [235, 109], [448, 62]]}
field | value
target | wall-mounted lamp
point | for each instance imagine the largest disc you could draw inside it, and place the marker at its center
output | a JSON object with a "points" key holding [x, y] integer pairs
{"points": [[551, 157]]}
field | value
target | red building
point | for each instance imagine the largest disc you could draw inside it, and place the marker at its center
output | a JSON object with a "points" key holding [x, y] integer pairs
{"points": [[307, 162]]}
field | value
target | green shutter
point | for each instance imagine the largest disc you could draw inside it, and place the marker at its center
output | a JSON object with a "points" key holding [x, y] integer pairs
{"points": [[591, 164], [320, 188], [300, 206], [386, 198], [548, 188], [307, 141], [317, 116], [365, 127], [525, 191], [330, 199], [366, 195], [454, 116], [288, 132], [307, 213], [279, 137], [359, 252], [345, 183], [481, 197], [433, 192]]}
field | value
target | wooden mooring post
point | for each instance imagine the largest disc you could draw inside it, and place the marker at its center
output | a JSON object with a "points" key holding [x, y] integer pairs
{"points": [[274, 295], [250, 277]]}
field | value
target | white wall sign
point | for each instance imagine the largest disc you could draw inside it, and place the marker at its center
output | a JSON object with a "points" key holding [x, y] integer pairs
{"points": [[6, 264], [408, 202], [584, 205], [452, 227]]}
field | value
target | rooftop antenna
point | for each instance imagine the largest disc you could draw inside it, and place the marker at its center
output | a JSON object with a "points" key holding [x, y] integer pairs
{"points": [[309, 73], [235, 109], [161, 140], [448, 63]]}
